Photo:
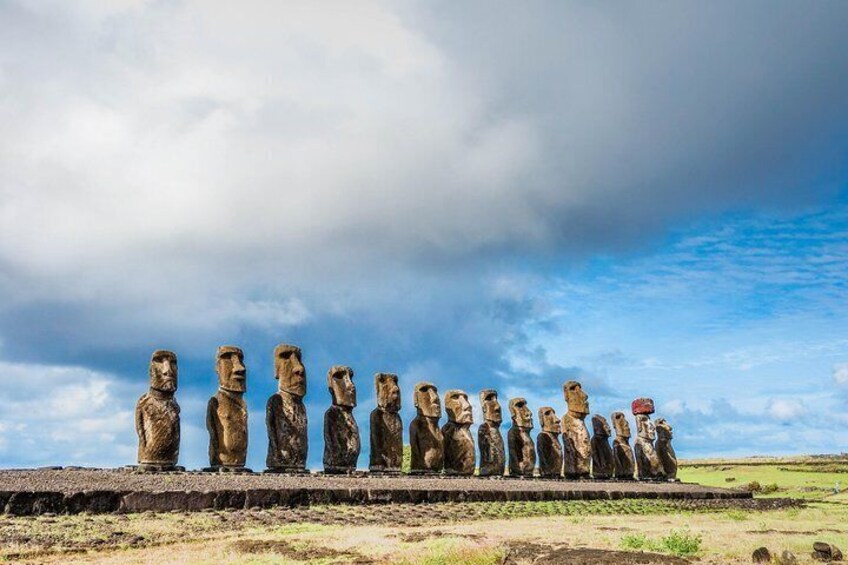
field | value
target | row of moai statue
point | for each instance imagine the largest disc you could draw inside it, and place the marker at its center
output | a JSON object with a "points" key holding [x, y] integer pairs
{"points": [[449, 449]]}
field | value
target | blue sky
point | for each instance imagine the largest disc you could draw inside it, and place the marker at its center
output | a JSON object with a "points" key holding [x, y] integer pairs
{"points": [[649, 199]]}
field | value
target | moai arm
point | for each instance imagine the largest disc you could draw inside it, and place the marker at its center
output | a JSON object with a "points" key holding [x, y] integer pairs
{"points": [[211, 409], [271, 426], [140, 428], [377, 457]]}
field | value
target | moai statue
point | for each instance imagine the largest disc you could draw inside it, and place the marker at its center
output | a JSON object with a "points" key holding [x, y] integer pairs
{"points": [[492, 452], [623, 461], [341, 434], [577, 453], [226, 414], [603, 466], [460, 458], [386, 427], [157, 416], [425, 437], [522, 452], [548, 445], [647, 463], [285, 413], [665, 451]]}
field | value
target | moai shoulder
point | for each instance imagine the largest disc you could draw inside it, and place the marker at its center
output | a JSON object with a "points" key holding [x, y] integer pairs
{"points": [[157, 416], [624, 463], [665, 451], [226, 414], [425, 437], [577, 450], [285, 413], [386, 427], [489, 438], [548, 444], [458, 441], [603, 465], [341, 433], [522, 451]]}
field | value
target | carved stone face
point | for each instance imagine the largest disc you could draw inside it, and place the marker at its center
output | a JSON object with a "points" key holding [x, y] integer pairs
{"points": [[577, 400], [229, 364], [548, 419], [600, 427], [491, 406], [622, 426], [342, 389], [426, 400], [388, 392], [289, 370], [664, 429], [645, 428], [520, 412], [163, 371], [458, 407]]}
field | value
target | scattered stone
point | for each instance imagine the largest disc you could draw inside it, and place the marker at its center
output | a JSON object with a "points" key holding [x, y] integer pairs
{"points": [[826, 552], [786, 557], [458, 442], [761, 555], [489, 438], [386, 426], [425, 437], [548, 445], [624, 463], [603, 466], [285, 413], [522, 452], [157, 416], [226, 414], [341, 433]]}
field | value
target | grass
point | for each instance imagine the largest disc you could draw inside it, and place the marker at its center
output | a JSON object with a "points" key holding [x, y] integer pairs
{"points": [[682, 543]]}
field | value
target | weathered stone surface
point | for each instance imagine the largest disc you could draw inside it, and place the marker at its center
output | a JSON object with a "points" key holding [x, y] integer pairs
{"points": [[460, 458], [548, 445], [624, 463], [226, 414], [285, 413], [577, 450], [761, 555], [642, 406], [341, 433], [826, 552], [386, 426], [647, 463], [664, 449], [603, 466], [489, 438], [522, 452], [157, 414], [786, 557], [425, 437]]}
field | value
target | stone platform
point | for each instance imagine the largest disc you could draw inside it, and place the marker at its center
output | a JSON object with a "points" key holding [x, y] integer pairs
{"points": [[60, 491]]}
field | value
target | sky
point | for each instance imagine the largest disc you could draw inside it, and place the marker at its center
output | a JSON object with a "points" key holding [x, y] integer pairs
{"points": [[651, 199]]}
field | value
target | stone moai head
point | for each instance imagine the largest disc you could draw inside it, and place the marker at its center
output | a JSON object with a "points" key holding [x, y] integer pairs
{"points": [[289, 370], [600, 426], [491, 406], [645, 427], [577, 400], [549, 421], [458, 407], [664, 429], [163, 371], [426, 400], [520, 412], [340, 383], [229, 364], [388, 392], [621, 425]]}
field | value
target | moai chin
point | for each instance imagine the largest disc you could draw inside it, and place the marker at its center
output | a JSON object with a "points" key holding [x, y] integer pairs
{"points": [[157, 416], [624, 464], [603, 466], [577, 453], [548, 444], [489, 438], [425, 437], [341, 434], [226, 414], [386, 427], [458, 442], [522, 452], [647, 463], [665, 451], [285, 413]]}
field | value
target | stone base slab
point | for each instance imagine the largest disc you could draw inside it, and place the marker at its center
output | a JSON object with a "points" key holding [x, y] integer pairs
{"points": [[71, 491]]}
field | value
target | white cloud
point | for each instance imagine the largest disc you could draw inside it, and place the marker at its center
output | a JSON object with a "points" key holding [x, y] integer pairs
{"points": [[840, 374], [785, 410]]}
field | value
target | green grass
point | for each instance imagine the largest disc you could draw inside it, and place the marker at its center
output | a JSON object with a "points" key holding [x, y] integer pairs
{"points": [[678, 542]]}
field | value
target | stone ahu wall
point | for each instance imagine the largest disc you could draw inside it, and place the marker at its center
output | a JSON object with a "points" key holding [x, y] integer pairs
{"points": [[563, 449]]}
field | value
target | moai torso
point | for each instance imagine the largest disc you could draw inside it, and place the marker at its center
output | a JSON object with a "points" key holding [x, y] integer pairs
{"points": [[603, 466], [425, 437], [647, 463], [386, 427], [624, 466], [548, 445], [157, 414], [341, 433], [285, 413], [577, 450], [665, 451], [458, 441], [227, 420], [492, 452], [522, 452]]}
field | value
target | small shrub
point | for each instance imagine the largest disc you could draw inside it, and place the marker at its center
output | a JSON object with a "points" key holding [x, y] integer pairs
{"points": [[682, 542], [753, 486], [769, 489], [634, 541], [730, 479]]}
